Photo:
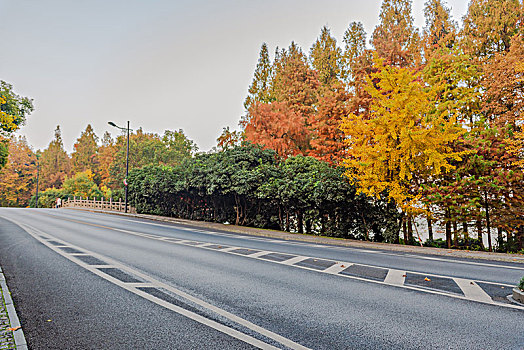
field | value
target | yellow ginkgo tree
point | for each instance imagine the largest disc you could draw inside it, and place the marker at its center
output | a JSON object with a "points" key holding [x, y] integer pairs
{"points": [[403, 142]]}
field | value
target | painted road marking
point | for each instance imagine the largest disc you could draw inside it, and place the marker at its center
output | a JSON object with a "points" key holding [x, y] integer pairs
{"points": [[472, 290], [259, 254], [294, 260], [293, 243], [395, 277], [335, 269], [396, 280], [150, 281], [228, 249]]}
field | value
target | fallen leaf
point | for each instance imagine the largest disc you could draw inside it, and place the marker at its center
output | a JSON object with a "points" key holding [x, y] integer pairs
{"points": [[48, 320], [427, 279], [12, 329], [404, 276], [502, 287], [471, 283], [342, 266]]}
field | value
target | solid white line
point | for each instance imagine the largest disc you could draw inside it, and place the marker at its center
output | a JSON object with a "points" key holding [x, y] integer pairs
{"points": [[395, 277], [338, 267], [472, 291], [294, 260]]}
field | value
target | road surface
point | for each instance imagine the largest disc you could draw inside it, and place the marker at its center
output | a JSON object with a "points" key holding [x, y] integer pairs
{"points": [[83, 280]]}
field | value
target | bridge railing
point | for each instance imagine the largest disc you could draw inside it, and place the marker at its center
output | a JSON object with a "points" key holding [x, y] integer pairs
{"points": [[102, 204]]}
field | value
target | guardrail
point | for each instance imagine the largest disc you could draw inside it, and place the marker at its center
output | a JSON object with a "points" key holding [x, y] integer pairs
{"points": [[101, 204]]}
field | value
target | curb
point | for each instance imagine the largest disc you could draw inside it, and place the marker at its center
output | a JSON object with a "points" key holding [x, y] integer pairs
{"points": [[18, 335], [451, 253]]}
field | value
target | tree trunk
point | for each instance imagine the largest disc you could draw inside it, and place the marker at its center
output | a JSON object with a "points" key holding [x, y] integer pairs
{"points": [[466, 234], [404, 229], [455, 234], [308, 225], [430, 229], [322, 223], [488, 223], [410, 229], [520, 237], [300, 224], [287, 221], [479, 232], [448, 231], [500, 238]]}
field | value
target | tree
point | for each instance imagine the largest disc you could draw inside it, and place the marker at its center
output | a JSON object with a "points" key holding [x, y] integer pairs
{"points": [[106, 156], [18, 178], [354, 48], [327, 142], [396, 39], [13, 111], [229, 138], [277, 126], [259, 90], [178, 147], [82, 184], [85, 154], [294, 82], [489, 26], [55, 164], [325, 57], [400, 145], [440, 31]]}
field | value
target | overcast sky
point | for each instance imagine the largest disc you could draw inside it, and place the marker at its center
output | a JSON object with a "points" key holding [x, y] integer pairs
{"points": [[162, 64]]}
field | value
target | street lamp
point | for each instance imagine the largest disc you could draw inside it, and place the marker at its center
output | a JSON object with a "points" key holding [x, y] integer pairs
{"points": [[127, 158]]}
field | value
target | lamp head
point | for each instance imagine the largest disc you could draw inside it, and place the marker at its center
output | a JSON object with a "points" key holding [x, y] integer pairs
{"points": [[112, 124]]}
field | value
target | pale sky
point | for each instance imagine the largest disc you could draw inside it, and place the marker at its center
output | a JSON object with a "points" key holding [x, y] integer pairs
{"points": [[162, 64]]}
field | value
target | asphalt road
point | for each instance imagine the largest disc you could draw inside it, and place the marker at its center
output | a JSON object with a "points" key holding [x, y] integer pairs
{"points": [[82, 280]]}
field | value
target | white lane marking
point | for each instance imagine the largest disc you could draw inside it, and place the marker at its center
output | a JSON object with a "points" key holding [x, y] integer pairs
{"points": [[141, 285], [472, 291], [229, 249], [78, 254], [233, 248], [104, 266], [259, 254], [294, 260], [352, 277], [399, 254], [395, 277], [338, 267], [205, 245], [321, 245], [129, 286]]}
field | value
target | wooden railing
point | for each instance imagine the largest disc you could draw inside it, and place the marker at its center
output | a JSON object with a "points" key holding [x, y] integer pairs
{"points": [[109, 205]]}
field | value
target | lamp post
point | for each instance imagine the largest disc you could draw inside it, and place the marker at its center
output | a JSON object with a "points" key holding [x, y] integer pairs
{"points": [[127, 159]]}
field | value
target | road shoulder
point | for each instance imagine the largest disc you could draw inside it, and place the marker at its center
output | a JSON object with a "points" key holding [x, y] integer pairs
{"points": [[11, 333]]}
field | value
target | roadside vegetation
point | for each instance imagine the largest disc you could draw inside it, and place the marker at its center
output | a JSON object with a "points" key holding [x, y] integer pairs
{"points": [[347, 140]]}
